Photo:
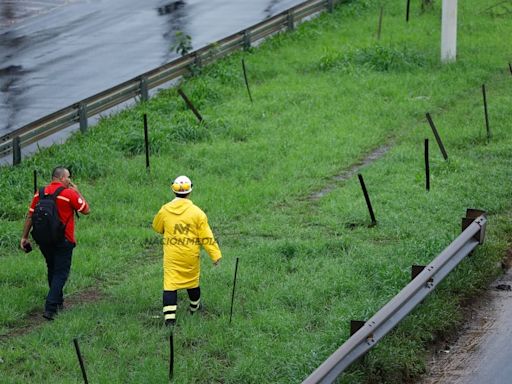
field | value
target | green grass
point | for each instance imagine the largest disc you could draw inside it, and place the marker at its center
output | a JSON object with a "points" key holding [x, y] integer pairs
{"points": [[325, 96]]}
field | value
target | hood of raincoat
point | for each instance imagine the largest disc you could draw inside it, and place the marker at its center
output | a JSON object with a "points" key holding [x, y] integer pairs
{"points": [[178, 206]]}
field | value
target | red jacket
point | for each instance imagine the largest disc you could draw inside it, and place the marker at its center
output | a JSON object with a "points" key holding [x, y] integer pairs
{"points": [[68, 202]]}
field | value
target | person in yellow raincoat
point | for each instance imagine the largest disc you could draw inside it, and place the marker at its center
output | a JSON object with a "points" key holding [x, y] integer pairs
{"points": [[185, 229]]}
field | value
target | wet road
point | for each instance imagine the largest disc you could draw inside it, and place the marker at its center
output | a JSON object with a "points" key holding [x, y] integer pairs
{"points": [[483, 350], [56, 52]]}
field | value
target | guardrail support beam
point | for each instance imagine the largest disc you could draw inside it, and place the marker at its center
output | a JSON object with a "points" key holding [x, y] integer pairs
{"points": [[399, 306], [197, 60], [291, 21], [247, 40], [471, 215], [355, 325], [416, 270], [79, 111], [144, 95], [82, 117], [330, 6], [16, 150]]}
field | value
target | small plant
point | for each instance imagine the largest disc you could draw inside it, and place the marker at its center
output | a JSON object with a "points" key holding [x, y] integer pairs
{"points": [[182, 44], [426, 5], [376, 58]]}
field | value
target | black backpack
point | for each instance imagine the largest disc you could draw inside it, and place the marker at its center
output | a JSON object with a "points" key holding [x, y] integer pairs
{"points": [[47, 229]]}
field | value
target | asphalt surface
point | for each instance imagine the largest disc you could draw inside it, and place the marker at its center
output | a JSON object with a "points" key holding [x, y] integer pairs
{"points": [[56, 52], [482, 353]]}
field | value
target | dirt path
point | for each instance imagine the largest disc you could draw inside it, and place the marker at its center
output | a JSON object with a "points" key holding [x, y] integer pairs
{"points": [[352, 170], [34, 319], [482, 351]]}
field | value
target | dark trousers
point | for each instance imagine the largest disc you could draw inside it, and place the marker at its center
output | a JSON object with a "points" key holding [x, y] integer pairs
{"points": [[170, 302], [58, 263]]}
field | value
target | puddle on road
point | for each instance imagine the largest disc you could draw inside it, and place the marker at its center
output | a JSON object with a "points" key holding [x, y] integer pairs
{"points": [[15, 11]]}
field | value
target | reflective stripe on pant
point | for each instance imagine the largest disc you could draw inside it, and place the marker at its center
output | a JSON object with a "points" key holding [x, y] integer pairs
{"points": [[170, 302]]}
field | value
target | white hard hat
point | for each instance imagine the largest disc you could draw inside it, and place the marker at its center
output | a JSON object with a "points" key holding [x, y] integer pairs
{"points": [[182, 185]]}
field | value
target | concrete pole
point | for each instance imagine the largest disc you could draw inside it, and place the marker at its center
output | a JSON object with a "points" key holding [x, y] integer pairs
{"points": [[449, 31]]}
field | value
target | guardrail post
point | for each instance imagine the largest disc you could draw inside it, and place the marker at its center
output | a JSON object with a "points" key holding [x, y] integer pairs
{"points": [[197, 60], [291, 21], [16, 150], [471, 215], [247, 39], [144, 95], [416, 270], [330, 6], [356, 325], [82, 117], [401, 305]]}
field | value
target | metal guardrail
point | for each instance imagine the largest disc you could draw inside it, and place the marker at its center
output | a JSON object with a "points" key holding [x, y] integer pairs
{"points": [[79, 112], [404, 302]]}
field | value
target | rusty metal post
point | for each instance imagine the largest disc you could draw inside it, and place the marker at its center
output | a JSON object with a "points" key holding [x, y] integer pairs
{"points": [[246, 81], [146, 141], [355, 325], [367, 198], [233, 293], [416, 270], [486, 113], [427, 167], [190, 105], [436, 134], [471, 215], [80, 360]]}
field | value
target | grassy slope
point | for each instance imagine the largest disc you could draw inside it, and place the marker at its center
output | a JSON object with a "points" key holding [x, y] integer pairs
{"points": [[305, 268]]}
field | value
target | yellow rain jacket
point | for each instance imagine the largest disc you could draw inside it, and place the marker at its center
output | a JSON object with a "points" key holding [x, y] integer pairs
{"points": [[185, 229]]}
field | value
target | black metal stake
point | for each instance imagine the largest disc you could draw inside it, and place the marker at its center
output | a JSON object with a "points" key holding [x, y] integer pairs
{"points": [[367, 198], [438, 138], [246, 81], [408, 7], [82, 367], [379, 29], [171, 356], [233, 293], [510, 68], [486, 113], [146, 140], [427, 167], [190, 105], [35, 181]]}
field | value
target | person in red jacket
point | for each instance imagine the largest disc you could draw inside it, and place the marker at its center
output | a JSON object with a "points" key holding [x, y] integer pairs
{"points": [[58, 255]]}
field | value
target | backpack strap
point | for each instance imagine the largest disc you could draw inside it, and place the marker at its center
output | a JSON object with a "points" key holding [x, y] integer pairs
{"points": [[57, 192], [53, 196]]}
